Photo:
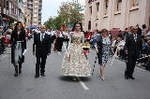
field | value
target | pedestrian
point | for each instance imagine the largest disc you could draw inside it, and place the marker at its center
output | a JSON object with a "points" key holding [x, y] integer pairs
{"points": [[2, 46], [103, 49], [66, 39], [41, 48], [18, 46], [133, 46], [74, 62], [60, 40]]}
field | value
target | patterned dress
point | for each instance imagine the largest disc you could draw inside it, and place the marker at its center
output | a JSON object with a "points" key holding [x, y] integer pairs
{"points": [[74, 62], [104, 50]]}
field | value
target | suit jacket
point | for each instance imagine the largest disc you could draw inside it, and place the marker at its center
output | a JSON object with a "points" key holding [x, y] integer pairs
{"points": [[42, 48], [133, 47]]}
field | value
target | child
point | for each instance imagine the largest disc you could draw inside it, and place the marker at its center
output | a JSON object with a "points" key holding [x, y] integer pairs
{"points": [[86, 47]]}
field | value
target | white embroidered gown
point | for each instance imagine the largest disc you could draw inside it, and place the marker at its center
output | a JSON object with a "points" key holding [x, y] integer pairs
{"points": [[74, 62]]}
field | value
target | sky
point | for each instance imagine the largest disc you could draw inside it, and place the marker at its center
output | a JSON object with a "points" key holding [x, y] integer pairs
{"points": [[50, 7]]}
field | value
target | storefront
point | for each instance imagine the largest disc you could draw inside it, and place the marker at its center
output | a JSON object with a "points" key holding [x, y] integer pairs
{"points": [[6, 20]]}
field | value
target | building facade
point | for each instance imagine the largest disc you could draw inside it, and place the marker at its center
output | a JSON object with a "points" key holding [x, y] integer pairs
{"points": [[20, 11], [34, 7], [27, 13], [10, 12], [120, 14]]}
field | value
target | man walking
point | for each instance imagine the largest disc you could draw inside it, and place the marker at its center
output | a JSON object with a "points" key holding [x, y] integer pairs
{"points": [[133, 46], [41, 48]]}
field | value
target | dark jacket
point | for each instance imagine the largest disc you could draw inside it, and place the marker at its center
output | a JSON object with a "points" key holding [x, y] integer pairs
{"points": [[14, 38], [133, 47], [42, 48]]}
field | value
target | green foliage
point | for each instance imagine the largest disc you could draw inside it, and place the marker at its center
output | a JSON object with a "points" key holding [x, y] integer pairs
{"points": [[68, 13], [53, 23]]}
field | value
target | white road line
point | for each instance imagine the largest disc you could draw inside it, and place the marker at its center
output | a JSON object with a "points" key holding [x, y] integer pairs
{"points": [[83, 84]]}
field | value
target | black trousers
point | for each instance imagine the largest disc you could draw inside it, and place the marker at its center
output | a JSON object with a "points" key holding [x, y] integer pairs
{"points": [[40, 64], [130, 65], [60, 44]]}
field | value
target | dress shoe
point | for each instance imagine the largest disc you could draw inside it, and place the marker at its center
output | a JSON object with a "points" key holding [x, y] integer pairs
{"points": [[16, 74], [36, 76], [42, 74], [132, 78], [126, 77]]}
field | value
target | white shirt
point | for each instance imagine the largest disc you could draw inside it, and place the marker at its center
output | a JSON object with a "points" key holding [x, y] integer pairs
{"points": [[42, 36], [61, 34], [135, 36]]}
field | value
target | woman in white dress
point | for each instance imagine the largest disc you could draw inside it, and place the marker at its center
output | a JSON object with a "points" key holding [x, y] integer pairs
{"points": [[74, 62]]}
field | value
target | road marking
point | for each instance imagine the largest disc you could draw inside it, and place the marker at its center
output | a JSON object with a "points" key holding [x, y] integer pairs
{"points": [[83, 84]]}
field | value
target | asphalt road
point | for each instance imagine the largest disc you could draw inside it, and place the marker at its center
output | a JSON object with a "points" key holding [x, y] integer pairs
{"points": [[54, 86]]}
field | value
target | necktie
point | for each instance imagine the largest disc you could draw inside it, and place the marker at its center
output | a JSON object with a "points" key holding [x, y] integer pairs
{"points": [[42, 37]]}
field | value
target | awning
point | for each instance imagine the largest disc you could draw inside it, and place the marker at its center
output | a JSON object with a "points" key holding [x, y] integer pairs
{"points": [[31, 27]]}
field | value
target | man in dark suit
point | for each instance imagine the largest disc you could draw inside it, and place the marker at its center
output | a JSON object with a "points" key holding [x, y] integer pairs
{"points": [[133, 46], [41, 48]]}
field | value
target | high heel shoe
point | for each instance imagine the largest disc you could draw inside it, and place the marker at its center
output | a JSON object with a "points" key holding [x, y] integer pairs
{"points": [[103, 78]]}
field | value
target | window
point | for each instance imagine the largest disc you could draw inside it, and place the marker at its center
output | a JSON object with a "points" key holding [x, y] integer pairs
{"points": [[106, 3], [97, 6], [90, 1], [134, 3], [96, 24], [7, 5], [12, 9], [118, 5], [91, 9]]}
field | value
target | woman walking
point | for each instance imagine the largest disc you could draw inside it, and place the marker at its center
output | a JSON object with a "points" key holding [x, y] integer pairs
{"points": [[103, 49], [18, 45], [74, 62]]}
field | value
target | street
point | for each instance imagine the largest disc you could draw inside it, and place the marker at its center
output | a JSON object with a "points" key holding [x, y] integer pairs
{"points": [[54, 86]]}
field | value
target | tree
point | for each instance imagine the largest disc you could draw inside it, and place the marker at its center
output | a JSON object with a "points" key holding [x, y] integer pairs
{"points": [[68, 13], [53, 23]]}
